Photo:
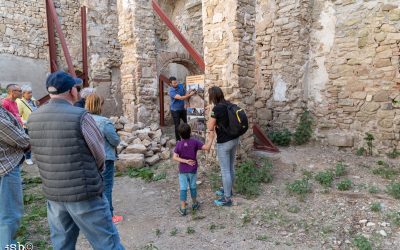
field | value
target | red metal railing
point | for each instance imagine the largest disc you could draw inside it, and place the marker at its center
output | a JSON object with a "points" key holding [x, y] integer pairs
{"points": [[185, 43]]}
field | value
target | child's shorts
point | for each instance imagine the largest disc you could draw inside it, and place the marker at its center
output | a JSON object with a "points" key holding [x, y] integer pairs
{"points": [[187, 181]]}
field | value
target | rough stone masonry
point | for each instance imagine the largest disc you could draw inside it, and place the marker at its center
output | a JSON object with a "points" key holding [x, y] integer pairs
{"points": [[339, 59]]}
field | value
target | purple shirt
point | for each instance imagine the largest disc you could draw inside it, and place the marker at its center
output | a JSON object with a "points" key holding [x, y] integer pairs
{"points": [[187, 149]]}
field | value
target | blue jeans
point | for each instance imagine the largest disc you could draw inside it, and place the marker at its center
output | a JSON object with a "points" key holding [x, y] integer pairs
{"points": [[187, 180], [226, 153], [28, 154], [108, 177], [11, 206], [92, 216]]}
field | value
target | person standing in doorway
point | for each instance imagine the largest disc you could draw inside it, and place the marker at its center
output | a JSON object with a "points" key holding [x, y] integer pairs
{"points": [[69, 151], [9, 103], [178, 96], [26, 105]]}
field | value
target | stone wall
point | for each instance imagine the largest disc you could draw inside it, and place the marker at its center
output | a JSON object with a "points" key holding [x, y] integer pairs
{"points": [[23, 39], [354, 69], [229, 52]]}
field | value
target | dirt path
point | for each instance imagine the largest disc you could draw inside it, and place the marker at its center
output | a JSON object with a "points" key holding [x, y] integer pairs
{"points": [[326, 219]]}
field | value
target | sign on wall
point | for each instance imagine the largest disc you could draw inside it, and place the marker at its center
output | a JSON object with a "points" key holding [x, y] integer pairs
{"points": [[195, 106]]}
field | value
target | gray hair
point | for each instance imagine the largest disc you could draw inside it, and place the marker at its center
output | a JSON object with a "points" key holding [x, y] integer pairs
{"points": [[85, 92], [26, 88]]}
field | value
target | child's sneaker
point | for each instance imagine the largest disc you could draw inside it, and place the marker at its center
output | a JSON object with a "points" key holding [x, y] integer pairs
{"points": [[182, 211], [223, 202], [196, 206], [220, 192]]}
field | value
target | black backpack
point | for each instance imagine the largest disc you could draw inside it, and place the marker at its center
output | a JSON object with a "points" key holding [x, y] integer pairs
{"points": [[238, 122]]}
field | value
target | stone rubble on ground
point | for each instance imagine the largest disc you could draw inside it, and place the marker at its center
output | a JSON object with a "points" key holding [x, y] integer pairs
{"points": [[140, 145]]}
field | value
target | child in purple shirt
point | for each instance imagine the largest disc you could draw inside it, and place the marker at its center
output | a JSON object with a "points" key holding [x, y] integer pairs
{"points": [[185, 153]]}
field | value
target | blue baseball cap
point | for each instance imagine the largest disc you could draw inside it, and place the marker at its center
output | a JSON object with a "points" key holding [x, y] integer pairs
{"points": [[60, 82]]}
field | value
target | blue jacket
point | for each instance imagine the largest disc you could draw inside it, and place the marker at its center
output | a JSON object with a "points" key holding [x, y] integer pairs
{"points": [[111, 138]]}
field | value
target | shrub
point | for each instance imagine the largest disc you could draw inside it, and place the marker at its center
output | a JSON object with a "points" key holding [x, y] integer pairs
{"points": [[249, 177], [299, 187], [393, 154], [373, 190], [340, 169], [376, 207], [325, 178], [280, 137], [362, 243], [304, 129], [385, 172], [393, 189], [144, 173], [344, 185], [369, 138], [361, 151]]}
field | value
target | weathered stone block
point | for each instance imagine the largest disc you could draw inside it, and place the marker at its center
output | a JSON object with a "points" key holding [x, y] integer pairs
{"points": [[166, 154], [381, 96], [135, 149], [129, 160], [370, 107], [152, 160]]}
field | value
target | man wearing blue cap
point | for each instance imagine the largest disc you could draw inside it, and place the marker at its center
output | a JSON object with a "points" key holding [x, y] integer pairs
{"points": [[69, 151]]}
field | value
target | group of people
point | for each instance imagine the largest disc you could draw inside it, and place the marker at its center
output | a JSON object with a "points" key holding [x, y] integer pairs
{"points": [[74, 149], [186, 148]]}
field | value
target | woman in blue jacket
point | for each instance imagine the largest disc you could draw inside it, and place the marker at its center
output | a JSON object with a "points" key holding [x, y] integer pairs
{"points": [[94, 104]]}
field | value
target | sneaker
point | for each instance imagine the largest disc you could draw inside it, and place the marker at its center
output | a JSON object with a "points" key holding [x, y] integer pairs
{"points": [[117, 219], [29, 161], [182, 211], [196, 206], [220, 192], [223, 202]]}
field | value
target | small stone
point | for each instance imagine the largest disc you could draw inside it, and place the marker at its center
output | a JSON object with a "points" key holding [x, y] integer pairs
{"points": [[157, 135], [114, 119], [146, 142], [129, 160], [154, 127], [171, 143], [383, 233], [363, 222], [137, 141], [368, 98], [370, 224], [165, 155], [128, 128], [149, 153], [123, 120], [152, 160], [119, 126], [163, 141], [136, 149], [156, 149]]}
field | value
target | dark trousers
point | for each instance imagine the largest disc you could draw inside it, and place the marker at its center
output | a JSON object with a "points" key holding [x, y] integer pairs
{"points": [[177, 116], [28, 154]]}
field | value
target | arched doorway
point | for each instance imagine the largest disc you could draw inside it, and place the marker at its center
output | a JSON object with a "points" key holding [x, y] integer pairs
{"points": [[171, 63]]}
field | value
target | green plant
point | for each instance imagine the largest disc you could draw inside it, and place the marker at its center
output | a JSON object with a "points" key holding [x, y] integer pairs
{"points": [[262, 238], [362, 243], [386, 172], [340, 169], [376, 207], [369, 138], [373, 190], [293, 209], [325, 178], [190, 230], [280, 137], [299, 187], [173, 232], [249, 177], [361, 151], [304, 129], [344, 185], [160, 176], [246, 217], [307, 174], [158, 232], [394, 218], [144, 173], [393, 154], [393, 189]]}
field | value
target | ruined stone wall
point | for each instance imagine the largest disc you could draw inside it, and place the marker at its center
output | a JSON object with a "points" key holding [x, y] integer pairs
{"points": [[282, 52], [354, 68], [23, 40], [338, 59], [229, 53], [139, 84], [104, 53]]}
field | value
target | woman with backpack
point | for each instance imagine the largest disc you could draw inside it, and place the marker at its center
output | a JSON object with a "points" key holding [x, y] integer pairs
{"points": [[225, 121]]}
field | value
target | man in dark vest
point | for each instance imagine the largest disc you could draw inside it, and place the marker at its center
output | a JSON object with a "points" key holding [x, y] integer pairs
{"points": [[69, 151]]}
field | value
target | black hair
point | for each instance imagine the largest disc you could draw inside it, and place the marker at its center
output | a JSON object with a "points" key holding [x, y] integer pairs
{"points": [[216, 95], [172, 78], [184, 131]]}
